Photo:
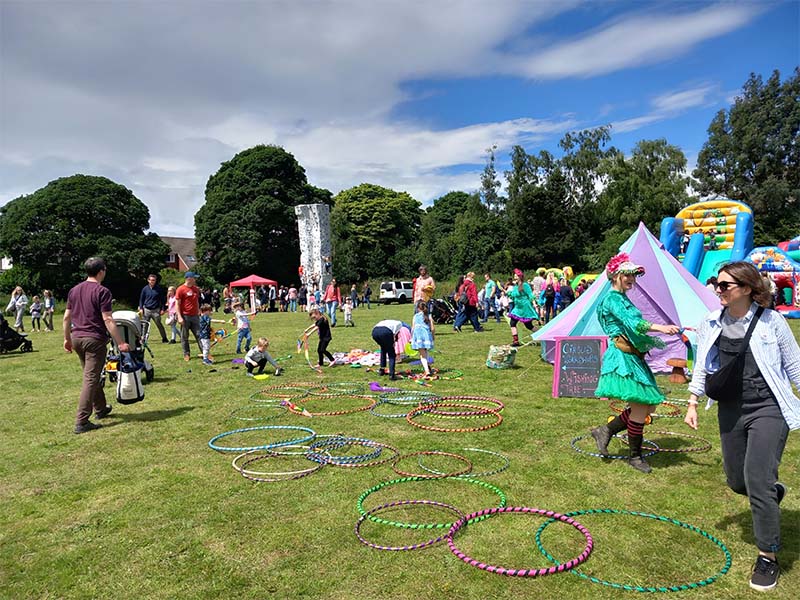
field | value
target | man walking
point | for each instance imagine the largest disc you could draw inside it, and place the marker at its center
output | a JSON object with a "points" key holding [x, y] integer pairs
{"points": [[188, 312], [152, 300], [87, 324]]}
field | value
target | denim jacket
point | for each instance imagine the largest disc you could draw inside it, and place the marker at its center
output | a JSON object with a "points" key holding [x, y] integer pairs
{"points": [[774, 349]]}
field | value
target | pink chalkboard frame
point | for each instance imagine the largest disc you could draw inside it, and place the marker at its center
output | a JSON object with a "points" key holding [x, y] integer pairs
{"points": [[557, 366]]}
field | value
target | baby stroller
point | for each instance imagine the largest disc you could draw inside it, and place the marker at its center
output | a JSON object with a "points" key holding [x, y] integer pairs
{"points": [[442, 311], [10, 340], [125, 368]]}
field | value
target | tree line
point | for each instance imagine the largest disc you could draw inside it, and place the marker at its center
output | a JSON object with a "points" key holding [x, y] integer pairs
{"points": [[573, 208]]}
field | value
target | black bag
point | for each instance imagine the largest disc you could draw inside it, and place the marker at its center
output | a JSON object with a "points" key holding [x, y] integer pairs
{"points": [[550, 291], [463, 298], [726, 384]]}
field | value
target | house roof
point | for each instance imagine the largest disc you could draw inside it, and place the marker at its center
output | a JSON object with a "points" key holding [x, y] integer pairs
{"points": [[183, 247]]}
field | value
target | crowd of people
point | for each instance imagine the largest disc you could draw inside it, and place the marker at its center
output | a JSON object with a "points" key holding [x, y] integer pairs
{"points": [[40, 308]]}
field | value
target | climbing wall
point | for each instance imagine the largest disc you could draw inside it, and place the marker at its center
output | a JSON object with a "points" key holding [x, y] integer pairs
{"points": [[314, 228]]}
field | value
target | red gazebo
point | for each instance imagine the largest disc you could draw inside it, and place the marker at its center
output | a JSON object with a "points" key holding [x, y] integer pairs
{"points": [[251, 281]]}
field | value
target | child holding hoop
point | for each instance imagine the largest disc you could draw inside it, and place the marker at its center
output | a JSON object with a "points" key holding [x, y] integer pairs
{"points": [[422, 330], [323, 328], [624, 374], [523, 312]]}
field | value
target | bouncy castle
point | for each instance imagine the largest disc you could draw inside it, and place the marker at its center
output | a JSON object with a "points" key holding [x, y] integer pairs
{"points": [[706, 235], [781, 268]]}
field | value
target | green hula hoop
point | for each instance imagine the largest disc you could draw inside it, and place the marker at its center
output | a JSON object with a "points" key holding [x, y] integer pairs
{"points": [[640, 588], [363, 512]]}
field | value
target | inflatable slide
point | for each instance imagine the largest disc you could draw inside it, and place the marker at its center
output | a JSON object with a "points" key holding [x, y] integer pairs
{"points": [[707, 234], [781, 268]]}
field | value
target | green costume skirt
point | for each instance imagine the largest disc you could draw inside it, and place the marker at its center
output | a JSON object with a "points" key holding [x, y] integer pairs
{"points": [[627, 377]]}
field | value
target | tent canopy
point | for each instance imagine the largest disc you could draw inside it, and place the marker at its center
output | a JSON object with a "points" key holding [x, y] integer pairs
{"points": [[667, 293], [252, 280]]}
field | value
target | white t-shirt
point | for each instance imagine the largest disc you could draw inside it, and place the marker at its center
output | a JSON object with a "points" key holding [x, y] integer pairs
{"points": [[242, 319], [395, 326]]}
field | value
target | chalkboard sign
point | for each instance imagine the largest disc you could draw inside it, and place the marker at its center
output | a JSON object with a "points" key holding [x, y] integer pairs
{"points": [[577, 366]]}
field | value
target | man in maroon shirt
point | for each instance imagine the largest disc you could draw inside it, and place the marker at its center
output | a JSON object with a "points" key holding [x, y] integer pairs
{"points": [[87, 325], [188, 311]]}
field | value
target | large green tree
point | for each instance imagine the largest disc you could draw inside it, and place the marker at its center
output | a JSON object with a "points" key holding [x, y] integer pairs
{"points": [[375, 232], [49, 234], [436, 243], [247, 224], [753, 155], [646, 186]]}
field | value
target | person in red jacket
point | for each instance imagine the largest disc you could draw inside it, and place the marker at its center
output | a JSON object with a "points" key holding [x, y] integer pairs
{"points": [[332, 299], [468, 294]]}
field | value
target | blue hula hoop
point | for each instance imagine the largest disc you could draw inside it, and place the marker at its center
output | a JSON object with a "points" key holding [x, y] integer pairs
{"points": [[299, 440]]}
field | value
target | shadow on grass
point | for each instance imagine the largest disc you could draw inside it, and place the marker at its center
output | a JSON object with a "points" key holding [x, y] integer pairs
{"points": [[151, 415], [790, 533]]}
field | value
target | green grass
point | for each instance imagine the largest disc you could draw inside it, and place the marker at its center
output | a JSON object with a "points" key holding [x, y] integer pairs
{"points": [[144, 509]]}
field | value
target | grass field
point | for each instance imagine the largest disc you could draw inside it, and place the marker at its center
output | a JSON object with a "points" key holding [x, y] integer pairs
{"points": [[144, 509]]}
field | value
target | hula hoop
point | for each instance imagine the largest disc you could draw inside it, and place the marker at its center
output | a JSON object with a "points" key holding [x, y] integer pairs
{"points": [[675, 411], [336, 389], [705, 447], [652, 449], [419, 546], [498, 405], [337, 461], [339, 441], [284, 391], [283, 358], [458, 457], [435, 374], [273, 476], [421, 409], [311, 435], [408, 398], [260, 406], [334, 413], [640, 588], [502, 468], [364, 495], [478, 410], [403, 415], [541, 572]]}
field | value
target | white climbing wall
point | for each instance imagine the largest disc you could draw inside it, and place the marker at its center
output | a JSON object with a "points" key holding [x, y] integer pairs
{"points": [[314, 227]]}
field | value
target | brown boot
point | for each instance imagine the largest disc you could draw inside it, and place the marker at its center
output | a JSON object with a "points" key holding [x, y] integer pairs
{"points": [[636, 460], [602, 435]]}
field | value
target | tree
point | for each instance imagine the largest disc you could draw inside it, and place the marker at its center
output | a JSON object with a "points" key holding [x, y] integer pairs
{"points": [[489, 184], [583, 155], [436, 248], [374, 232], [50, 233], [753, 155], [644, 187], [247, 224]]}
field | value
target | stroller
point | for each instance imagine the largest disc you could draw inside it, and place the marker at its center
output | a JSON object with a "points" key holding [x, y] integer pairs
{"points": [[125, 368], [442, 311], [11, 340]]}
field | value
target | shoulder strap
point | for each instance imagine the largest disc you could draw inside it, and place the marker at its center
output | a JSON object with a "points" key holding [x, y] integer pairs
{"points": [[750, 329]]}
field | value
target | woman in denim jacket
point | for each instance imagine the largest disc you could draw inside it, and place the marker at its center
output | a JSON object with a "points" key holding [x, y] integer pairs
{"points": [[753, 428]]}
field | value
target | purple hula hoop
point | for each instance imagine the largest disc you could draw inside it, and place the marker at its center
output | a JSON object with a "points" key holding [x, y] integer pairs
{"points": [[521, 572], [419, 546]]}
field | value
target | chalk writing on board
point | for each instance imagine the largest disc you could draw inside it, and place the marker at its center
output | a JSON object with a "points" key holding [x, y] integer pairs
{"points": [[577, 368]]}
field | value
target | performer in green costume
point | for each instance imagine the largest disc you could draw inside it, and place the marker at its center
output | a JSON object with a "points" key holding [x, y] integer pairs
{"points": [[624, 374]]}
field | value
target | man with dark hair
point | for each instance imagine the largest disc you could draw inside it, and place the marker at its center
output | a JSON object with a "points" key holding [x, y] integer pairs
{"points": [[87, 325], [152, 301], [188, 311]]}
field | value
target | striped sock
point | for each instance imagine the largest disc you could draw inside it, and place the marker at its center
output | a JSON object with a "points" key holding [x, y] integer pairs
{"points": [[635, 429]]}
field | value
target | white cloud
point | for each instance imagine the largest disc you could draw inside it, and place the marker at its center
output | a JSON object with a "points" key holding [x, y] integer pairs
{"points": [[677, 101], [634, 41]]}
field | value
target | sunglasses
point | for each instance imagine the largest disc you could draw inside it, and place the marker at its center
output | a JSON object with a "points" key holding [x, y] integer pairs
{"points": [[724, 286]]}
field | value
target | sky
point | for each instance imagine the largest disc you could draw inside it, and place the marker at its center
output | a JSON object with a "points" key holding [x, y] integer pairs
{"points": [[405, 94]]}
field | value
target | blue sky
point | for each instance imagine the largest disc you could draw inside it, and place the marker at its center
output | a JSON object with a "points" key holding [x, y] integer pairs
{"points": [[405, 94]]}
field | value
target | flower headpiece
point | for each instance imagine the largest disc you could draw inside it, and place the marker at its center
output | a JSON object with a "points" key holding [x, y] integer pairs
{"points": [[519, 273], [622, 263]]}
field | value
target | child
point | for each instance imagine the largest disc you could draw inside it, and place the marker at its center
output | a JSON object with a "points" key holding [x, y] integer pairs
{"points": [[422, 330], [243, 325], [36, 308], [321, 326], [49, 309], [205, 332], [259, 357], [348, 313]]}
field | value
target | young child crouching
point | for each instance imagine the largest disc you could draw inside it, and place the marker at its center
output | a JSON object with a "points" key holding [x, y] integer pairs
{"points": [[258, 356]]}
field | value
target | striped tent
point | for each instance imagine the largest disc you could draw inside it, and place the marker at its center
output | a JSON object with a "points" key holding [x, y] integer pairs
{"points": [[667, 293]]}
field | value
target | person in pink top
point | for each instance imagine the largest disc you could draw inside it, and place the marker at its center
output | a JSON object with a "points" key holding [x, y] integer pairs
{"points": [[424, 287], [332, 299]]}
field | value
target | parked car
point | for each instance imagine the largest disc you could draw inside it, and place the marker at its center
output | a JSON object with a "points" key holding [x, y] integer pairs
{"points": [[396, 291]]}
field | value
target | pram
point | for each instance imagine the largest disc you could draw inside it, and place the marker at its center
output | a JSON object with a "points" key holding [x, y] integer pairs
{"points": [[125, 369], [442, 311], [10, 340]]}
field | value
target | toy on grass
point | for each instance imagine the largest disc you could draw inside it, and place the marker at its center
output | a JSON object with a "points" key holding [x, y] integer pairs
{"points": [[302, 344], [299, 410], [640, 588], [377, 387], [382, 507]]}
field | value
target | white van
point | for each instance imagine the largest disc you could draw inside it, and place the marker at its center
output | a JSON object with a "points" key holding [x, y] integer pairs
{"points": [[396, 291]]}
